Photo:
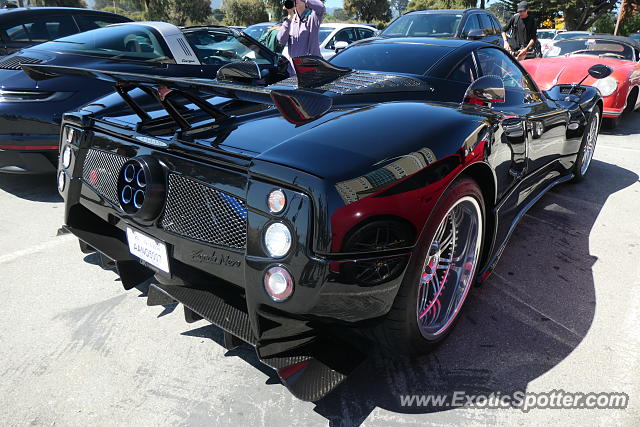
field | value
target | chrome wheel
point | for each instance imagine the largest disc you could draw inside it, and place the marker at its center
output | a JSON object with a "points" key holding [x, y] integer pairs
{"points": [[449, 267], [590, 144]]}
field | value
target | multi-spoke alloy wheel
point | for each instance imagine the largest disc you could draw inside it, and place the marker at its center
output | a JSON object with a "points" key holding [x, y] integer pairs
{"points": [[439, 274], [590, 144], [449, 267]]}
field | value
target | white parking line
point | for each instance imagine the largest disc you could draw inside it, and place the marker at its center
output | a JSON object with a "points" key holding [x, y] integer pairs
{"points": [[635, 150], [33, 249]]}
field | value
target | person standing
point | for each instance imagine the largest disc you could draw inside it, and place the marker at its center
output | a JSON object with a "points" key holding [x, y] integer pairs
{"points": [[523, 32], [299, 31]]}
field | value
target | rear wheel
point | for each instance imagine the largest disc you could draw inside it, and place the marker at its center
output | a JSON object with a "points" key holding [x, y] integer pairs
{"points": [[631, 101], [588, 146], [440, 274]]}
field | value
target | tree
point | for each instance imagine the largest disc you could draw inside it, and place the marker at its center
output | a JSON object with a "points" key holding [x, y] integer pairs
{"points": [[59, 3], [439, 4], [192, 12], [276, 12], [244, 12], [500, 11], [399, 5], [577, 14], [341, 15], [368, 10], [218, 15], [605, 24]]}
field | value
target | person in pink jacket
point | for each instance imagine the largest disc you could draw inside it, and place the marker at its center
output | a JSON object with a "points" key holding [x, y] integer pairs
{"points": [[299, 31]]}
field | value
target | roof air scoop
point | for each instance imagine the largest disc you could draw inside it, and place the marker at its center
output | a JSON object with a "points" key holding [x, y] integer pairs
{"points": [[313, 71]]}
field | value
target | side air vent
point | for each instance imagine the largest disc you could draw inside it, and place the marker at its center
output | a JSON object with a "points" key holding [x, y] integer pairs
{"points": [[13, 62], [565, 90]]}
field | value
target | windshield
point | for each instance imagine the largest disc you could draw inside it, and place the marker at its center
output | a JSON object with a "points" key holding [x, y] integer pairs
{"points": [[546, 34], [256, 31], [407, 58], [221, 47], [324, 33], [597, 47], [423, 25], [119, 42], [564, 36], [635, 36]]}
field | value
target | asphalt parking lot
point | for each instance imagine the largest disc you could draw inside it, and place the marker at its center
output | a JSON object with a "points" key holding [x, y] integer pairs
{"points": [[561, 312]]}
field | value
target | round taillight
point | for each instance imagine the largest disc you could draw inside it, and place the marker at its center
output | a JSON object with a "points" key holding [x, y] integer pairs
{"points": [[276, 201], [277, 240], [70, 135], [278, 283], [66, 157], [62, 181]]}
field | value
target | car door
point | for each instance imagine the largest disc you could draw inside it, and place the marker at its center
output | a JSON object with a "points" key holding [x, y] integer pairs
{"points": [[535, 126], [491, 36], [344, 35], [364, 33], [471, 23]]}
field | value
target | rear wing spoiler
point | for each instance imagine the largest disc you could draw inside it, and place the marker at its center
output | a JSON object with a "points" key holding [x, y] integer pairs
{"points": [[298, 106]]}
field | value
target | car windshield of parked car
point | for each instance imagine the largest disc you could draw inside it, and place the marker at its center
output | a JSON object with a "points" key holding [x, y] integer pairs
{"points": [[221, 47], [135, 42], [410, 58], [324, 33], [635, 36], [546, 34], [564, 36], [423, 25], [597, 47], [257, 30]]}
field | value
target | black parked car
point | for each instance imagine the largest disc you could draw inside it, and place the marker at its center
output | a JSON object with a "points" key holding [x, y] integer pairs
{"points": [[30, 112], [370, 198], [467, 24], [21, 28]]}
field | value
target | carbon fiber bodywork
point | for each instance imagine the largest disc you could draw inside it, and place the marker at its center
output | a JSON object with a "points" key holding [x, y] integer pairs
{"points": [[349, 159]]}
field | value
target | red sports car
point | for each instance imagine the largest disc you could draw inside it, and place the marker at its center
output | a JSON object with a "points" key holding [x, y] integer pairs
{"points": [[568, 61]]}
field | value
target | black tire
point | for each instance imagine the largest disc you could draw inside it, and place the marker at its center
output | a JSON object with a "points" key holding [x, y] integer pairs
{"points": [[610, 123], [399, 332], [578, 172], [631, 101]]}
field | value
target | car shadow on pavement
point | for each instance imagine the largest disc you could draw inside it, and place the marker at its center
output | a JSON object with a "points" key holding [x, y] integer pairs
{"points": [[626, 125], [530, 315], [37, 188]]}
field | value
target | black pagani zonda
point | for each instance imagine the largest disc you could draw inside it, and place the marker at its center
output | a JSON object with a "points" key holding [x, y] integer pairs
{"points": [[373, 190]]}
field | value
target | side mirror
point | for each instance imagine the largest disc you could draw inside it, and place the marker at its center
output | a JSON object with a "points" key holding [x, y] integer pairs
{"points": [[282, 63], [340, 46], [476, 34], [242, 70], [485, 90], [600, 71]]}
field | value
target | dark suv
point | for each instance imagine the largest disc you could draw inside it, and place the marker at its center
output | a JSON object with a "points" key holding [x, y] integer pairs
{"points": [[470, 24], [24, 27]]}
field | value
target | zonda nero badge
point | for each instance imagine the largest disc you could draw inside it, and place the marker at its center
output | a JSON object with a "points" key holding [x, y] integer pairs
{"points": [[152, 141], [142, 187]]}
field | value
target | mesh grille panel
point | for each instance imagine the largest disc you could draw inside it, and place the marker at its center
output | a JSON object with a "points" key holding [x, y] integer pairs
{"points": [[203, 213], [13, 63], [101, 170]]}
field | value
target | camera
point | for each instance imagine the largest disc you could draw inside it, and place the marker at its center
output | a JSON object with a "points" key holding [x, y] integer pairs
{"points": [[288, 4]]}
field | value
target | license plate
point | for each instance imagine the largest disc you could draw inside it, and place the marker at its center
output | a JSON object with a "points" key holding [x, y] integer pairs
{"points": [[148, 249]]}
